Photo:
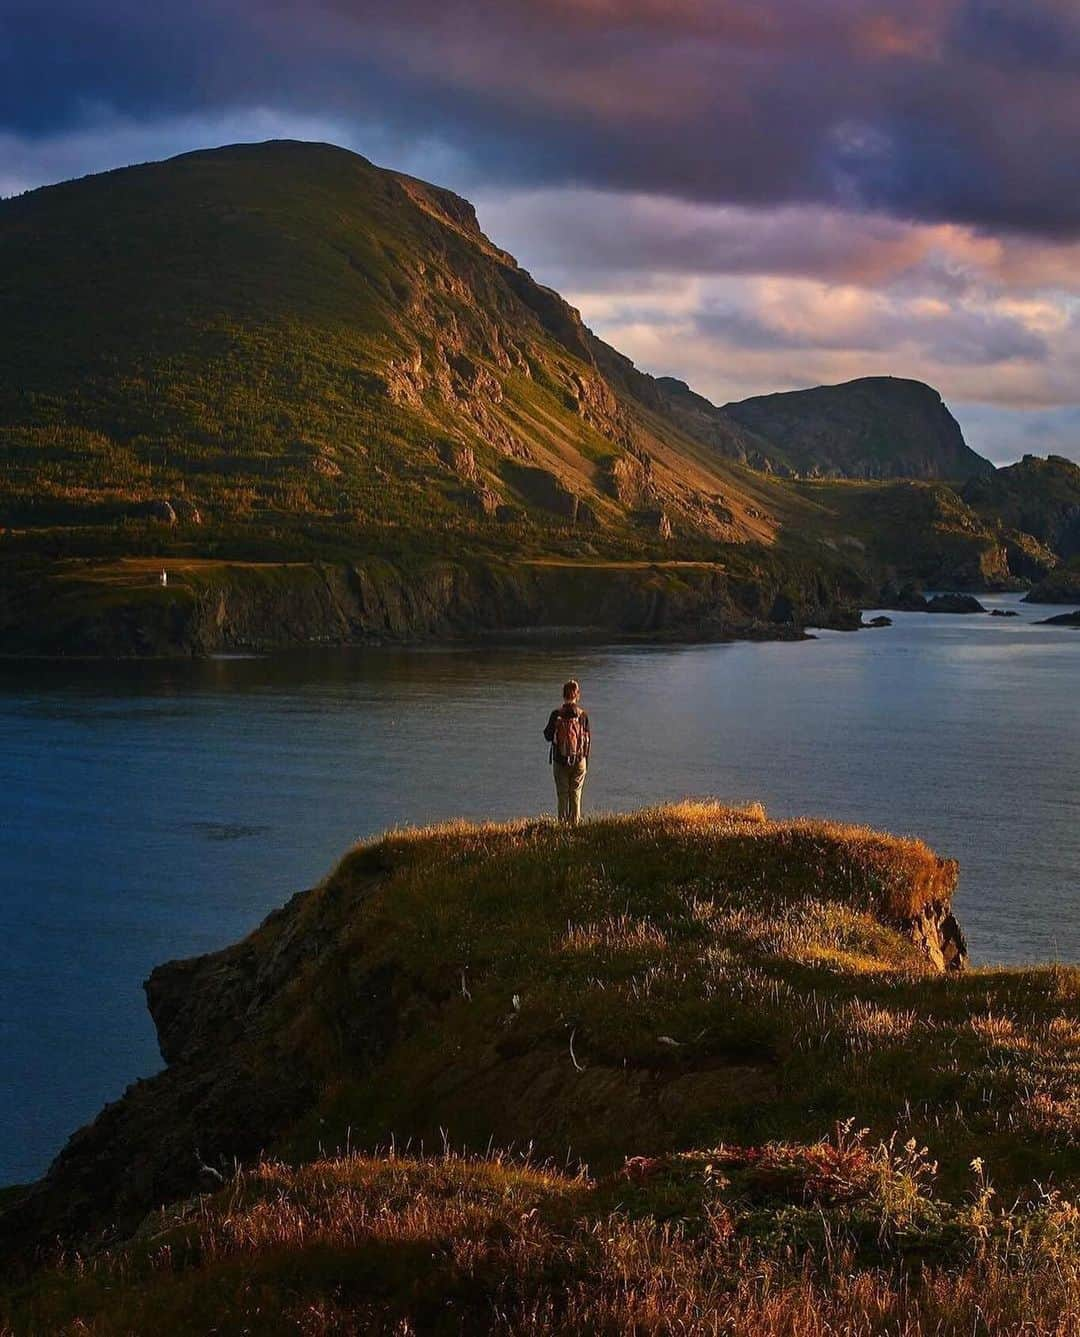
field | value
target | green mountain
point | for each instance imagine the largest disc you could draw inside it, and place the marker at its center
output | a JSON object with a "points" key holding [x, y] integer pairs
{"points": [[283, 330], [875, 427], [318, 399]]}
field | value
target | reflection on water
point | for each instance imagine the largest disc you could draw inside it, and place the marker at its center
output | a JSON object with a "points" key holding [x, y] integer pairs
{"points": [[154, 811]]}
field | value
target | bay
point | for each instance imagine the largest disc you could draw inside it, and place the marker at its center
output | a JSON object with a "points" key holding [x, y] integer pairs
{"points": [[153, 811]]}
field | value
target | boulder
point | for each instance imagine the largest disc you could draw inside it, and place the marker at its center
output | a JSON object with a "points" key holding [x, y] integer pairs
{"points": [[629, 480], [459, 459], [480, 499], [541, 488], [880, 621], [1062, 620], [1004, 612]]}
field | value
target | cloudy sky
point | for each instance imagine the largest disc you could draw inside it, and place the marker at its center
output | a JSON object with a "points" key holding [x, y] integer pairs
{"points": [[750, 194]]}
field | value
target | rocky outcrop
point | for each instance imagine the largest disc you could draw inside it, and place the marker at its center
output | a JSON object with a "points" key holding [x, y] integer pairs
{"points": [[541, 488], [1059, 587], [629, 479], [459, 459], [954, 603], [1039, 498], [937, 932], [328, 995], [1062, 620]]}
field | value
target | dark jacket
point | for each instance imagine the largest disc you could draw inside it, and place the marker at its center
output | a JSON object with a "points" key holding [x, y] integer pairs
{"points": [[569, 711]]}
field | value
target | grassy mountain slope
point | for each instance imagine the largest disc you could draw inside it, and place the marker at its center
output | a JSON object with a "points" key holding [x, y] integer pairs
{"points": [[280, 353], [697, 988], [284, 331], [280, 357]]}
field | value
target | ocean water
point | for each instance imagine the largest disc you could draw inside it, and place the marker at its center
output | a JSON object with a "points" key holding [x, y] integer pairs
{"points": [[155, 811]]}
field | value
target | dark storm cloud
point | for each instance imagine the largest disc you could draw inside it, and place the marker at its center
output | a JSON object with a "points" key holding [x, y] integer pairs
{"points": [[962, 110]]}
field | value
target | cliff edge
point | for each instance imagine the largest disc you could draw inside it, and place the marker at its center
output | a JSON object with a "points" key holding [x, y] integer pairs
{"points": [[617, 989]]}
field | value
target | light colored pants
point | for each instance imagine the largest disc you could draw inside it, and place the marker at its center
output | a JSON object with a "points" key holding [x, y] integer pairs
{"points": [[569, 782]]}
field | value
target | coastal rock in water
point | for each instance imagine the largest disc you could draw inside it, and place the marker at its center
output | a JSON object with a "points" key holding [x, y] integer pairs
{"points": [[1059, 587], [1062, 620], [1004, 612], [880, 622], [907, 599], [954, 603]]}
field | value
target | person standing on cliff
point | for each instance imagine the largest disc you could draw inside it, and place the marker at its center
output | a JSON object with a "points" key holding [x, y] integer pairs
{"points": [[568, 733]]}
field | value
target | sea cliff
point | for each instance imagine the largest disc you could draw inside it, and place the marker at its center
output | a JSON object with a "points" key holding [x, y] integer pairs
{"points": [[121, 608], [753, 1048]]}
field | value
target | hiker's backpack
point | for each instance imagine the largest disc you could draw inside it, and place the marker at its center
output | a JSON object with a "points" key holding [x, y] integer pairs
{"points": [[568, 745]]}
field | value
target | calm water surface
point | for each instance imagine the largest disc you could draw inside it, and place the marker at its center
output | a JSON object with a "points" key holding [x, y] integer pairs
{"points": [[153, 811]]}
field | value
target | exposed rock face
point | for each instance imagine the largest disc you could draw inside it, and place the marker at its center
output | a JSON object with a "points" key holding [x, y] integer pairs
{"points": [[658, 521], [1062, 620], [1027, 557], [937, 931], [541, 488], [481, 499], [459, 459], [629, 479], [263, 607]]}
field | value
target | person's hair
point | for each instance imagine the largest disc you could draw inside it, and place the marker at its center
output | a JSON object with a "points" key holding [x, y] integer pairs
{"points": [[571, 690]]}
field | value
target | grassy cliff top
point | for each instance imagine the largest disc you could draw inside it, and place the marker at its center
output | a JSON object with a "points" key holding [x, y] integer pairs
{"points": [[793, 1119]]}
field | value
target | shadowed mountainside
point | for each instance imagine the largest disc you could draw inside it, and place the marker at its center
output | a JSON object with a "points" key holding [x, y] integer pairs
{"points": [[876, 427]]}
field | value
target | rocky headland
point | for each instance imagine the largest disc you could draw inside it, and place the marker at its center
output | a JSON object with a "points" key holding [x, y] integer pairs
{"points": [[750, 1032]]}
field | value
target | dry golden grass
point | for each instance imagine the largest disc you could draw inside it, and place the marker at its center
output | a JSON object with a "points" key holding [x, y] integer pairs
{"points": [[692, 976], [835, 1239]]}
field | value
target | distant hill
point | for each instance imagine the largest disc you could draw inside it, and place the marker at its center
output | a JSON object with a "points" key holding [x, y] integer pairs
{"points": [[876, 427]]}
